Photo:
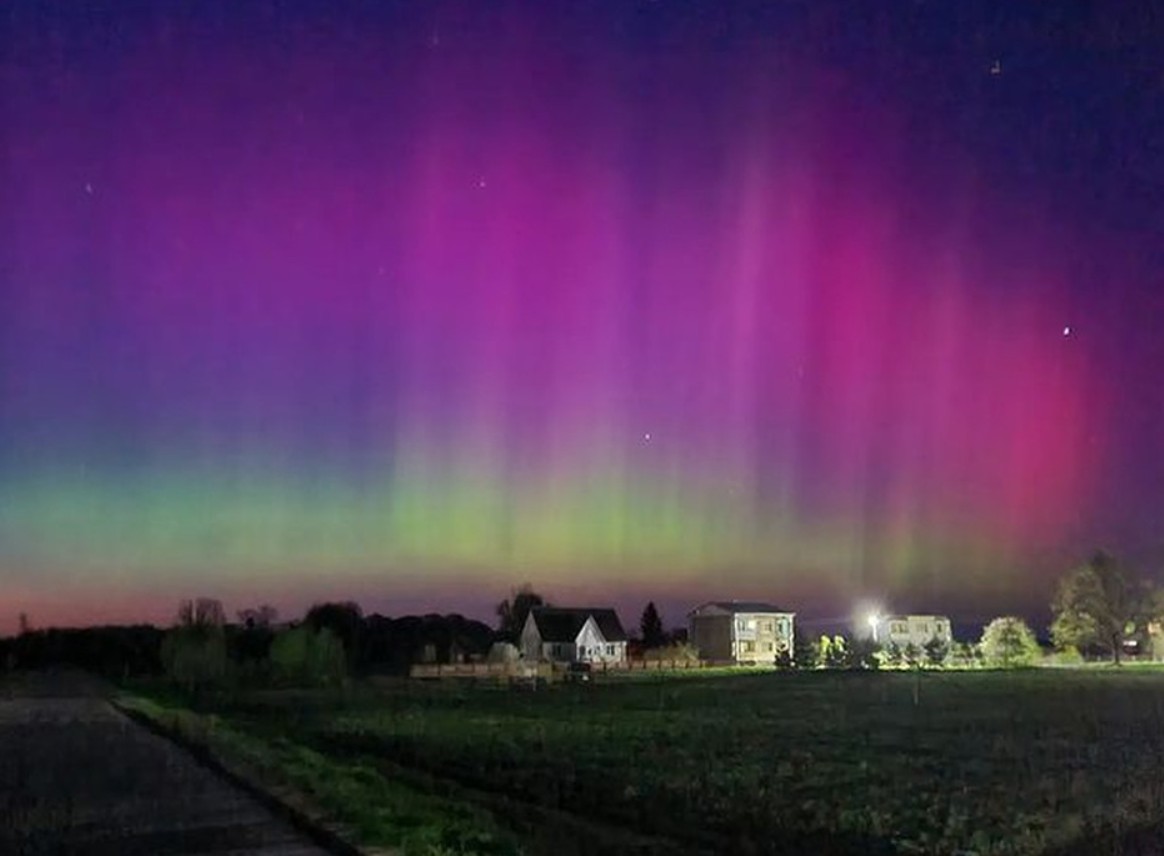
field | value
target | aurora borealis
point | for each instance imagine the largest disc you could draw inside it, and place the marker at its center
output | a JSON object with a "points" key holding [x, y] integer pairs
{"points": [[422, 299]]}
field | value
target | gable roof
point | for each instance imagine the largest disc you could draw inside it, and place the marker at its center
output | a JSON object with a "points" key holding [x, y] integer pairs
{"points": [[734, 606], [561, 624]]}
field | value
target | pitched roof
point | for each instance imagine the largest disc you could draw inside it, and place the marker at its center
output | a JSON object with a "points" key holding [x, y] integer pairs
{"points": [[742, 606], [559, 624]]}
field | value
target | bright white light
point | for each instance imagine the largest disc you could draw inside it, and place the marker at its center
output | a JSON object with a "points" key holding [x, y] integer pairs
{"points": [[1066, 331]]}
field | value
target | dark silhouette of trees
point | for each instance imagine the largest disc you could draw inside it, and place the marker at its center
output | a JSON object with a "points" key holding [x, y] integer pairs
{"points": [[805, 649], [513, 611], [261, 616], [652, 628], [306, 656], [1095, 606], [203, 612], [115, 652], [194, 653], [344, 619]]}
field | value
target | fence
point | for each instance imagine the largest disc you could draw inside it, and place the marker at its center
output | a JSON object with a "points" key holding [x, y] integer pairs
{"points": [[550, 671]]}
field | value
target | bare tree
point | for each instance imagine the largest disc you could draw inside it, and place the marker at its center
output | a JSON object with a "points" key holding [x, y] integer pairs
{"points": [[201, 612]]}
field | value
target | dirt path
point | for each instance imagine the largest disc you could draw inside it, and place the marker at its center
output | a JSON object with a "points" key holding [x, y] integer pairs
{"points": [[77, 777]]}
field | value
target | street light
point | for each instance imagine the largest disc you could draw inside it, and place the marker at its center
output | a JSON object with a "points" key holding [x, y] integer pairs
{"points": [[874, 620]]}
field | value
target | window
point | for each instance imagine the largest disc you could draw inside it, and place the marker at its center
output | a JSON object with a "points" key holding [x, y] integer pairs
{"points": [[609, 650], [749, 647], [581, 650], [767, 646]]}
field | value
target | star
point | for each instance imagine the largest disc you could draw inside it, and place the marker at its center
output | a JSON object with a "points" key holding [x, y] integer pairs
{"points": [[647, 437], [996, 67], [1066, 331], [89, 188], [481, 182]]}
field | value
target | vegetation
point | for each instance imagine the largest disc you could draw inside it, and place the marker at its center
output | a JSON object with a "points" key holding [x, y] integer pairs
{"points": [[307, 657], [1008, 643], [513, 611], [651, 626], [374, 809], [345, 622], [988, 762], [194, 652], [1095, 607]]}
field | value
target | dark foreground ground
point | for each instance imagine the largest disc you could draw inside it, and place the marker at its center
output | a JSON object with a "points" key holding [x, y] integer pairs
{"points": [[1041, 761], [77, 777]]}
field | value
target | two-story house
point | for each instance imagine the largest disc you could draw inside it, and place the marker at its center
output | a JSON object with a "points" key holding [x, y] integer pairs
{"points": [[573, 635], [916, 630], [741, 631]]}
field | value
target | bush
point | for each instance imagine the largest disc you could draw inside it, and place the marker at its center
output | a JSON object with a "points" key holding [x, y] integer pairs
{"points": [[805, 650], [834, 652], [676, 651], [309, 657], [194, 657], [936, 651], [1008, 643], [1067, 656]]}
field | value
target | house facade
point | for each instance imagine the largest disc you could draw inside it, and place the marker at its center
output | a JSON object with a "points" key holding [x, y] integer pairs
{"points": [[741, 631], [573, 635], [916, 630]]}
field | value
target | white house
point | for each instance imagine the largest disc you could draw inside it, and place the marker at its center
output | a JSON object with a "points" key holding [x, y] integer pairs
{"points": [[578, 635], [916, 630], [741, 631]]}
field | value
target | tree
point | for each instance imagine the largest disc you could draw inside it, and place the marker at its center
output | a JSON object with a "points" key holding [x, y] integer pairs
{"points": [[1095, 606], [805, 649], [513, 611], [309, 657], [193, 653], [260, 617], [911, 655], [344, 619], [1008, 643], [834, 653], [202, 612], [25, 627], [936, 651], [652, 626], [864, 653], [892, 655]]}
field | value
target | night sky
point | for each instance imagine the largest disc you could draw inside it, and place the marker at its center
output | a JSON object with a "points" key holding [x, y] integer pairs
{"points": [[410, 302]]}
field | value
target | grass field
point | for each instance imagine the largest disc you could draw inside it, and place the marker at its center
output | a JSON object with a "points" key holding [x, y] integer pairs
{"points": [[1044, 760]]}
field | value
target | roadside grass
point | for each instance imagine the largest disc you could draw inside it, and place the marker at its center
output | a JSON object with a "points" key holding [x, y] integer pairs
{"points": [[371, 809]]}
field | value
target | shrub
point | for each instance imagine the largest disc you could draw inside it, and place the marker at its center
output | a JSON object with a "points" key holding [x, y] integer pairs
{"points": [[677, 651], [1008, 643], [936, 651], [309, 657], [194, 657]]}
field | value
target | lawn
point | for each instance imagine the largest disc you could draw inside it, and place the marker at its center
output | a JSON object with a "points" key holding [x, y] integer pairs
{"points": [[970, 762]]}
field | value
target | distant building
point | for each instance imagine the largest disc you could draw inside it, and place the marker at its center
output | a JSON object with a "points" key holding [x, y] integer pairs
{"points": [[741, 631], [916, 630], [578, 635]]}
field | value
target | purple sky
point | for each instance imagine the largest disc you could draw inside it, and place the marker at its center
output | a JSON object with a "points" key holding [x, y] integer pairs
{"points": [[411, 303]]}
